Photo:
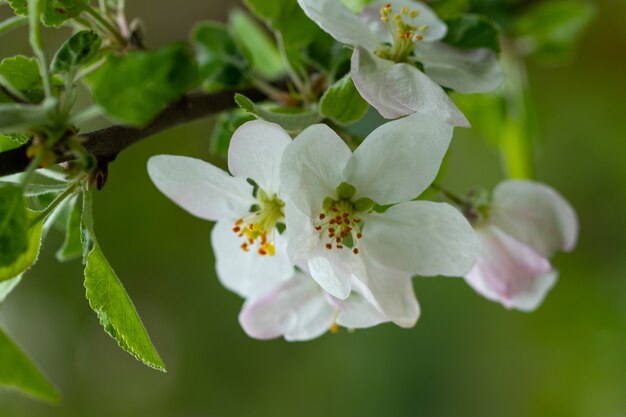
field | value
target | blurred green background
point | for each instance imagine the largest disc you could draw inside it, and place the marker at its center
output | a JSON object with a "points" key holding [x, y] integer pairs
{"points": [[466, 357]]}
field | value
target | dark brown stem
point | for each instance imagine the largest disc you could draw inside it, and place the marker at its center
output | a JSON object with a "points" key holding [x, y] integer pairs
{"points": [[107, 143]]}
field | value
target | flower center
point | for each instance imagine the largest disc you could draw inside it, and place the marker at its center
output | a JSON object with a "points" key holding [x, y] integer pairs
{"points": [[339, 224], [258, 229], [404, 34]]}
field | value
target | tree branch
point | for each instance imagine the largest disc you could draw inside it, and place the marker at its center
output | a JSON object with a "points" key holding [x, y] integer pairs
{"points": [[107, 143]]}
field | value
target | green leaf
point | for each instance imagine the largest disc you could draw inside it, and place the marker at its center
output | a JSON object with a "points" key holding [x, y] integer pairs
{"points": [[22, 75], [28, 258], [77, 51], [222, 64], [469, 31], [554, 27], [291, 119], [12, 141], [136, 87], [287, 18], [108, 298], [224, 129], [7, 286], [342, 103], [72, 246], [19, 372], [19, 117], [260, 49], [55, 13], [13, 224]]}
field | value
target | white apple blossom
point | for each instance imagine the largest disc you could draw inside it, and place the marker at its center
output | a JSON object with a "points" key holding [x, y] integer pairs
{"points": [[526, 223], [333, 228], [299, 309], [245, 240], [389, 39]]}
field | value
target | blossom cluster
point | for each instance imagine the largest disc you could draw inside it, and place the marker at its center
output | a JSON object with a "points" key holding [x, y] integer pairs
{"points": [[314, 235]]}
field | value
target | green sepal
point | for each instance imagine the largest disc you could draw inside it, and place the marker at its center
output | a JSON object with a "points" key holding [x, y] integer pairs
{"points": [[342, 103]]}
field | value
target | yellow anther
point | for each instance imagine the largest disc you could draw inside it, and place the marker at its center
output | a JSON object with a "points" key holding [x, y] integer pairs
{"points": [[405, 10], [397, 18], [334, 328], [423, 28], [414, 14]]}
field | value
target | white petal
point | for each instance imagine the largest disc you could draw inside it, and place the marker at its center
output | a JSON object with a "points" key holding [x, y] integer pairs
{"points": [[332, 270], [397, 90], [302, 237], [296, 309], [391, 290], [464, 70], [400, 159], [339, 22], [423, 238], [437, 29], [248, 273], [357, 311], [312, 168], [256, 150], [536, 215], [200, 188], [510, 272]]}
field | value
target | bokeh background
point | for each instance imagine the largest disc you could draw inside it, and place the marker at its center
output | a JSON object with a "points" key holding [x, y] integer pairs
{"points": [[466, 357]]}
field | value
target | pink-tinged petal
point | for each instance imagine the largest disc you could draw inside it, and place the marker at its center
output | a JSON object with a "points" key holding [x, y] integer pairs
{"points": [[422, 238], [536, 215], [256, 150], [339, 22], [312, 168], [248, 274], [437, 29], [400, 159], [398, 90], [390, 290], [200, 188], [510, 272], [463, 70], [297, 310]]}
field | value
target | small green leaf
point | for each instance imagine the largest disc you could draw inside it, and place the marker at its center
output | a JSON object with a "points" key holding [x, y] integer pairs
{"points": [[225, 127], [55, 13], [12, 140], [19, 372], [342, 103], [287, 18], [72, 246], [108, 298], [7, 286], [260, 49], [22, 75], [291, 119], [27, 258], [469, 31], [136, 87], [77, 51], [222, 64], [554, 27], [13, 224]]}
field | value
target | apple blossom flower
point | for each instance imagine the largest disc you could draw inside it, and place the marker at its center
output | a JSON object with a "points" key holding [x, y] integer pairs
{"points": [[389, 39], [245, 239], [525, 224], [299, 309], [333, 228]]}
